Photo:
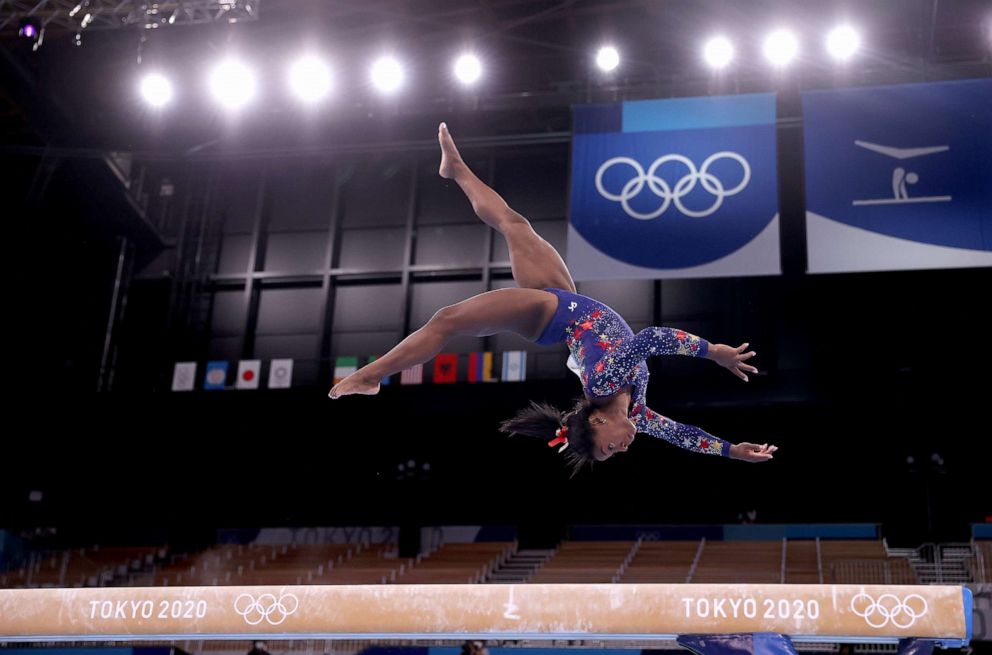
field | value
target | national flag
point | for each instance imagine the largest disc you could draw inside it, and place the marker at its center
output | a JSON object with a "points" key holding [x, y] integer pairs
{"points": [[216, 376], [514, 366], [413, 375], [480, 367], [248, 370], [343, 367], [184, 376], [281, 374], [446, 368]]}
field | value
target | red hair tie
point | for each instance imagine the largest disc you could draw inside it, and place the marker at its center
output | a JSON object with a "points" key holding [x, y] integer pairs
{"points": [[560, 438]]}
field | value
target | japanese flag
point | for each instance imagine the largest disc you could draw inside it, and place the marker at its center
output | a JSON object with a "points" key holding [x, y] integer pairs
{"points": [[248, 370]]}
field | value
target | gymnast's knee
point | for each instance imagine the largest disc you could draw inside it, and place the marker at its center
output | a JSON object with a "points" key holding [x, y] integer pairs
{"points": [[511, 220], [446, 320]]}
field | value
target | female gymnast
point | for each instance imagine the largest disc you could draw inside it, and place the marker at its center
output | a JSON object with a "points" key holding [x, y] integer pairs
{"points": [[608, 357]]}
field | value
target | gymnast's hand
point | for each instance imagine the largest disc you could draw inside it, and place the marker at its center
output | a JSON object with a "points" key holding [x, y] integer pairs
{"points": [[732, 358], [750, 452]]}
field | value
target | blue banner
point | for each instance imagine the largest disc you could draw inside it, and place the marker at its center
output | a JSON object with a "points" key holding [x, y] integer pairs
{"points": [[898, 177], [684, 187]]}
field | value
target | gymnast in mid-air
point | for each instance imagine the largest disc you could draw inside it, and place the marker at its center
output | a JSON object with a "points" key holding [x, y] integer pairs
{"points": [[604, 352]]}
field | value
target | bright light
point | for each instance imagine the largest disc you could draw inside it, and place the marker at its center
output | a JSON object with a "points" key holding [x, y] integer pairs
{"points": [[718, 52], [310, 79], [843, 42], [156, 89], [29, 28], [607, 58], [232, 84], [781, 47], [468, 69], [387, 74]]}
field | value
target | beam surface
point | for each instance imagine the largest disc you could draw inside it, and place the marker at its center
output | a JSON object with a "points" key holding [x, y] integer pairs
{"points": [[863, 613]]}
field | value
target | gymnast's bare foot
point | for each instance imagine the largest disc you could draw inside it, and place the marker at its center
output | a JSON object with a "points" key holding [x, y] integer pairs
{"points": [[356, 383], [451, 161]]}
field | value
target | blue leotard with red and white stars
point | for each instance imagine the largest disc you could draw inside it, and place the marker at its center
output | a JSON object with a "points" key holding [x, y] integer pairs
{"points": [[610, 357]]}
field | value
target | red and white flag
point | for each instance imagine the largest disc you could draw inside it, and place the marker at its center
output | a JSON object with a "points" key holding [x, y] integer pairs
{"points": [[413, 375], [248, 372]]}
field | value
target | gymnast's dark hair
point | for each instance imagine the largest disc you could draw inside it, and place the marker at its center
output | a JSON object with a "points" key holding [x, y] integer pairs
{"points": [[540, 420]]}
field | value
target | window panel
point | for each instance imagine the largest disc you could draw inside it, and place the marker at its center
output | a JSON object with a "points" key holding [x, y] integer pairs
{"points": [[226, 349], [428, 297], [553, 232], [374, 249], [535, 186], [365, 344], [228, 312], [289, 346], [237, 196], [289, 311], [451, 245], [375, 193], [235, 251], [301, 196], [440, 201], [296, 252], [374, 307]]}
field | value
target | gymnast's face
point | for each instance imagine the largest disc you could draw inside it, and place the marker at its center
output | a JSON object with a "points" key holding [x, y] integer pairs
{"points": [[611, 435]]}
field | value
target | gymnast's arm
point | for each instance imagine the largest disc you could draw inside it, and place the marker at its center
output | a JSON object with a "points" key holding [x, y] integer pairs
{"points": [[698, 440], [605, 379]]}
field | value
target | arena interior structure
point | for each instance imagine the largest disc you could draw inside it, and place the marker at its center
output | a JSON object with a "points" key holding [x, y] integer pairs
{"points": [[216, 209]]}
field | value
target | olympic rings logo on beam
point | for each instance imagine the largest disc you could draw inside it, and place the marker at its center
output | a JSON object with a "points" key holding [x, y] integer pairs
{"points": [[901, 612], [659, 187], [266, 608]]}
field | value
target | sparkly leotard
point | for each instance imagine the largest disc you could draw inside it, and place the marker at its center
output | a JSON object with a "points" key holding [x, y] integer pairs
{"points": [[610, 357]]}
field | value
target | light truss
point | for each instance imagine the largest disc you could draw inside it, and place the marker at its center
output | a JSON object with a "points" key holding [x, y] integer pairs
{"points": [[77, 15]]}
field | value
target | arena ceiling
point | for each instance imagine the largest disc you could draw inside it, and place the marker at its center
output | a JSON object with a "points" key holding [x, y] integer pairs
{"points": [[537, 58]]}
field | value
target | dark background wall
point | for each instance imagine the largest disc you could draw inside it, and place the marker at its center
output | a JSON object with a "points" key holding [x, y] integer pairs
{"points": [[286, 239], [860, 372]]}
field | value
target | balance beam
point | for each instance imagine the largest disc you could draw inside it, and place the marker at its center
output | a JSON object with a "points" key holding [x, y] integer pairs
{"points": [[852, 613]]}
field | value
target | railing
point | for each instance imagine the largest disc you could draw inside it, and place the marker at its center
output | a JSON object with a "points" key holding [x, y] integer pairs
{"points": [[940, 563], [785, 555], [819, 560], [631, 554], [952, 563], [695, 560], [868, 571], [981, 565]]}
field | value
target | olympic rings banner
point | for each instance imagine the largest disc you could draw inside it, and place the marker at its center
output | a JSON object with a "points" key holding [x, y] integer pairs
{"points": [[898, 177], [684, 187], [871, 613]]}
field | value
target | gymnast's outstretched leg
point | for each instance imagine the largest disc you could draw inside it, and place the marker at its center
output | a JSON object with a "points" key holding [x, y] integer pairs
{"points": [[534, 262], [522, 311], [526, 311]]}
